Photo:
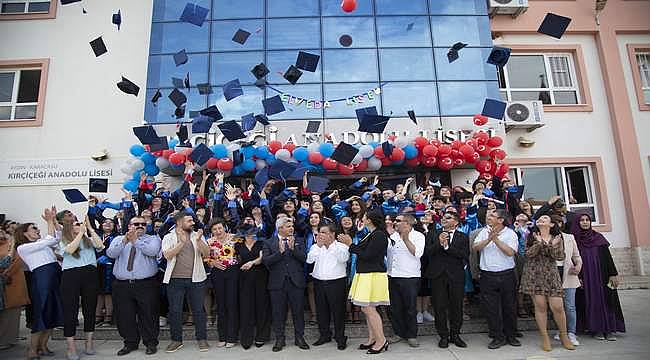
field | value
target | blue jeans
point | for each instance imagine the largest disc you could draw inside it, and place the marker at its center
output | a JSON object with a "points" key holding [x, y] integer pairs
{"points": [[570, 309], [176, 291]]}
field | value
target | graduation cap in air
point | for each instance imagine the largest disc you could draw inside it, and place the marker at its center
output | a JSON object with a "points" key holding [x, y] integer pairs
{"points": [[98, 185], [292, 74], [262, 119], [232, 89], [554, 25], [370, 121], [182, 134], [345, 40], [409, 27], [260, 83], [499, 56], [178, 82], [212, 111], [66, 2], [204, 88], [494, 108], [201, 124], [180, 112], [273, 105], [177, 97], [201, 154], [162, 144], [262, 176], [248, 122], [318, 184], [312, 127], [241, 36], [156, 96], [231, 130], [387, 148], [146, 134], [412, 116], [194, 114], [260, 70], [344, 153], [186, 82], [452, 54], [128, 87], [180, 58], [307, 61], [98, 46], [117, 19], [74, 196], [194, 14], [282, 170], [237, 157]]}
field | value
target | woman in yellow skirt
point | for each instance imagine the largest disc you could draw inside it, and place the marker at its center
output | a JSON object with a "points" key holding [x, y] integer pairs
{"points": [[370, 283]]}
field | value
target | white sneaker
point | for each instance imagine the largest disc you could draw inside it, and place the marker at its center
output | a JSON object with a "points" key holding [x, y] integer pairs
{"points": [[557, 337], [427, 316], [162, 321], [420, 318], [574, 339]]}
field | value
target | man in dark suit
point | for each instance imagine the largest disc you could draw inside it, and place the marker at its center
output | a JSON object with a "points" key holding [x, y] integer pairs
{"points": [[285, 256], [448, 251]]}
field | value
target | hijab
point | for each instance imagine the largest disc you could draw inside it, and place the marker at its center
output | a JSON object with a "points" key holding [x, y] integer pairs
{"points": [[587, 238]]}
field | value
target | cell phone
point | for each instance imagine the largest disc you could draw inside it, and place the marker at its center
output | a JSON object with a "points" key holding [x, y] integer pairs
{"points": [[611, 285]]}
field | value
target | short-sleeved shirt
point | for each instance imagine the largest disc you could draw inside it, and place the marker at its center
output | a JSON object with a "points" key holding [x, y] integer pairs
{"points": [[492, 258]]}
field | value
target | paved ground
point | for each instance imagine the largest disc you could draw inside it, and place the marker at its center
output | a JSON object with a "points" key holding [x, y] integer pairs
{"points": [[633, 345]]}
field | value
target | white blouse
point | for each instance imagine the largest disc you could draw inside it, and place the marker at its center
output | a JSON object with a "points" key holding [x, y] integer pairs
{"points": [[38, 253]]}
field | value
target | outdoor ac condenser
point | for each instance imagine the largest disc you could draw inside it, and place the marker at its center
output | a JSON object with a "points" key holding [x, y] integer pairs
{"points": [[507, 7], [527, 115]]}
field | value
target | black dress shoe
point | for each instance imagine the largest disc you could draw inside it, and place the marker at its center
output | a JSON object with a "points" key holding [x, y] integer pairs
{"points": [[366, 347], [301, 343], [519, 334], [259, 344], [443, 343], [151, 350], [279, 345], [456, 340], [125, 350], [321, 341], [496, 343], [513, 341], [246, 346]]}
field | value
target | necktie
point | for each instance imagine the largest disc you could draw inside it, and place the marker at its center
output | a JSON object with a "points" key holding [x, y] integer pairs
{"points": [[129, 264]]}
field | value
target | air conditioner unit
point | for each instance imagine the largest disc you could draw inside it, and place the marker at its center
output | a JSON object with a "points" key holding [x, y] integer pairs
{"points": [[507, 7], [527, 115]]}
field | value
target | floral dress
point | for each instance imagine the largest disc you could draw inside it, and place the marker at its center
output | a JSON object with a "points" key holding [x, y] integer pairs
{"points": [[540, 275]]}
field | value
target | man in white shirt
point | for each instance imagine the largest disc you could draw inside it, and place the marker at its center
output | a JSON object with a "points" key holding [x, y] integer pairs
{"points": [[498, 244], [405, 248], [330, 258]]}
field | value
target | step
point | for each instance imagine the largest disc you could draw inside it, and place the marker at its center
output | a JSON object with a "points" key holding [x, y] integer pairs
{"points": [[634, 282]]}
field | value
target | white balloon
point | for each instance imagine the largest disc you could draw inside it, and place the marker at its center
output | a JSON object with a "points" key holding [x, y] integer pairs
{"points": [[401, 142], [366, 151], [357, 159], [137, 165], [233, 147], [283, 154], [313, 147], [127, 178], [126, 168], [374, 164], [260, 164], [162, 163]]}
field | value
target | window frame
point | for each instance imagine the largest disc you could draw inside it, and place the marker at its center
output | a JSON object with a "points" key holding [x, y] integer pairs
{"points": [[632, 51], [18, 65], [50, 14]]}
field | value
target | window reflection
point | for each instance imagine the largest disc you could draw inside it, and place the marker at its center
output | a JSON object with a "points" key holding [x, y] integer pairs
{"points": [[527, 71], [299, 111], [470, 65], [229, 66], [349, 65], [403, 31], [162, 68], [472, 30], [293, 33], [392, 7], [171, 10], [399, 98], [292, 8], [251, 101], [234, 9], [223, 31], [345, 109], [163, 112], [333, 8], [406, 64], [465, 98], [170, 38], [458, 7], [361, 29], [279, 61]]}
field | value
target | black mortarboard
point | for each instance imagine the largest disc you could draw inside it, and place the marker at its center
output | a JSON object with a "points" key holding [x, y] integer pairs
{"points": [[345, 40], [98, 185], [117, 19], [177, 97], [307, 61], [262, 119], [299, 173], [273, 105], [494, 108], [212, 111], [180, 58], [312, 127], [387, 148], [554, 25], [452, 55], [282, 170], [317, 184], [409, 27], [248, 122], [361, 113], [201, 124], [178, 82], [180, 112], [241, 36], [186, 82], [292, 74], [344, 153], [231, 130], [160, 145], [370, 122], [204, 89], [128, 87], [74, 196], [194, 14], [66, 2], [260, 83], [237, 157], [260, 70], [412, 116], [232, 89], [499, 56], [182, 134], [146, 134], [262, 176], [156, 96], [201, 154], [99, 48]]}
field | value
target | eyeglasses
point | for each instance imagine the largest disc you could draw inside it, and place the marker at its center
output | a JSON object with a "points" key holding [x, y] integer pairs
{"points": [[139, 224], [77, 223], [33, 228]]}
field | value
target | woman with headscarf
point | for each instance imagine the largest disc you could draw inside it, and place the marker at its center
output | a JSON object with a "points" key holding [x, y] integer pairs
{"points": [[597, 303]]}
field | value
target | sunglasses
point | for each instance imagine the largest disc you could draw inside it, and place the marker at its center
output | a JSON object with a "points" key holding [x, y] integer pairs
{"points": [[139, 224], [33, 228], [77, 223]]}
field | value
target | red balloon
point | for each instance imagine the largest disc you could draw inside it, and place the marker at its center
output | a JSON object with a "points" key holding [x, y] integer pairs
{"points": [[493, 166], [459, 162], [498, 154], [480, 120], [363, 165], [429, 150], [456, 144], [483, 166], [471, 142], [315, 158], [421, 142], [274, 146], [379, 152], [435, 142], [348, 5], [186, 152], [212, 163], [473, 158], [346, 169], [466, 150], [481, 137], [495, 141], [167, 153], [225, 164], [289, 146], [483, 150], [444, 150], [446, 163], [502, 170], [329, 164], [158, 153], [455, 154], [412, 162], [397, 155], [386, 162], [177, 159], [430, 161], [486, 176]]}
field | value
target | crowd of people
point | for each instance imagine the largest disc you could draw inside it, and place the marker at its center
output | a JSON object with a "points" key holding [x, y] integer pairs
{"points": [[266, 250]]}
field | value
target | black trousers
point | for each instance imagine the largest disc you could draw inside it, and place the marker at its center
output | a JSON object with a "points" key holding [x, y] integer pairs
{"points": [[254, 307], [225, 285], [295, 297], [447, 299], [136, 307], [498, 293], [403, 306], [330, 297], [79, 282]]}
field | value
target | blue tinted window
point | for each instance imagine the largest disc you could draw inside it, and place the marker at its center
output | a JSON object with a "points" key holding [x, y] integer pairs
{"points": [[393, 7], [406, 64], [403, 31], [279, 61], [162, 68], [299, 111], [349, 65], [171, 10], [402, 97], [343, 109], [472, 30], [333, 8], [163, 112], [250, 102], [458, 7], [292, 8], [236, 9], [465, 98], [361, 29], [470, 65], [173, 37], [223, 31], [228, 66], [293, 33]]}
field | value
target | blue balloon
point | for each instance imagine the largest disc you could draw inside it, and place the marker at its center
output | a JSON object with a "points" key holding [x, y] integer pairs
{"points": [[220, 151], [300, 153], [131, 186], [410, 151], [237, 170], [151, 170], [374, 144], [248, 165], [326, 149], [262, 152], [148, 158], [172, 143], [137, 150], [136, 176], [248, 152]]}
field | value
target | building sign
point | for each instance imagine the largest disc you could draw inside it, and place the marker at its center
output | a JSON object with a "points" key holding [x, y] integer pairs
{"points": [[56, 171], [367, 96]]}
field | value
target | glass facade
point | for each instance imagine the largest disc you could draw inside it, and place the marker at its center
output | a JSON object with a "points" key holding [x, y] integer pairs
{"points": [[400, 46]]}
